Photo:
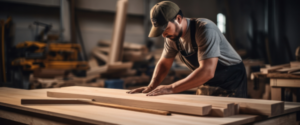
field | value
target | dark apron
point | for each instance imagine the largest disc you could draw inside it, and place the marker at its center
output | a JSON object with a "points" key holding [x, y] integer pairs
{"points": [[229, 80]]}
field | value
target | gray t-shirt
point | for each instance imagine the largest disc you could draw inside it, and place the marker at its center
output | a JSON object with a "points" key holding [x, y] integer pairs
{"points": [[210, 41]]}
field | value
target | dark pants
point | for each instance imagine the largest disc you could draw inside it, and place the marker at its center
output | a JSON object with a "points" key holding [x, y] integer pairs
{"points": [[230, 81]]}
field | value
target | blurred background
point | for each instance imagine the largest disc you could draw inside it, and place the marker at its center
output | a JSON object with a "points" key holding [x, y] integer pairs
{"points": [[104, 43]]}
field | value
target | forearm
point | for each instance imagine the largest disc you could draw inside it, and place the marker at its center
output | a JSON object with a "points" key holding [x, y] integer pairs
{"points": [[196, 78], [160, 72]]}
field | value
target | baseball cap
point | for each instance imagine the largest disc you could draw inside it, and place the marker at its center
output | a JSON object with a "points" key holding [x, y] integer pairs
{"points": [[160, 14]]}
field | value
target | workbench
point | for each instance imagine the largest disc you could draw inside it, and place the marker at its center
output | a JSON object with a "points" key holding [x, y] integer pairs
{"points": [[12, 110], [280, 81]]}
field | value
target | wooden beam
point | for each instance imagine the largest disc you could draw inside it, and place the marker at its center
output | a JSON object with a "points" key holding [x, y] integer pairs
{"points": [[295, 83], [126, 46], [273, 68], [97, 70], [289, 69], [246, 106], [219, 108], [36, 101], [119, 66], [116, 47], [283, 76], [10, 97], [93, 63], [100, 56], [145, 102], [295, 64]]}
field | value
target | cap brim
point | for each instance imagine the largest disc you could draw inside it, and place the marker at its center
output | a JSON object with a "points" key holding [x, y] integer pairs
{"points": [[155, 31]]}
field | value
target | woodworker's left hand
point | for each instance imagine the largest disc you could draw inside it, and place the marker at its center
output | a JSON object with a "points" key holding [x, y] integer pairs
{"points": [[160, 90]]}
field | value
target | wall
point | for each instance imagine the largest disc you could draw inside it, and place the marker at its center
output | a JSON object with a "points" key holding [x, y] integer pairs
{"points": [[259, 24], [95, 24]]}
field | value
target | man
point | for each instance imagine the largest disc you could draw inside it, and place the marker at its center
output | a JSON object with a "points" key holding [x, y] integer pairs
{"points": [[201, 46]]}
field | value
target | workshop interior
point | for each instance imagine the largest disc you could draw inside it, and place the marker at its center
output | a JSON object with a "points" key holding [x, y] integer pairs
{"points": [[97, 62]]}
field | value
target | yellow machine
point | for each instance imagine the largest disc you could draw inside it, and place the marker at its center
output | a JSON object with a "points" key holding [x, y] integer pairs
{"points": [[36, 55]]}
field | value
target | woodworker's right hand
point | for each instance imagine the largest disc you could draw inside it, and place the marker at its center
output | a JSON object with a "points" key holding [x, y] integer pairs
{"points": [[145, 89]]}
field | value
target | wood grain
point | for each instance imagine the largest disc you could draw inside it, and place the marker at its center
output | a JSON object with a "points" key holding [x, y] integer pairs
{"points": [[294, 83], [219, 108], [146, 102], [89, 102], [115, 53], [10, 97], [273, 68], [246, 106]]}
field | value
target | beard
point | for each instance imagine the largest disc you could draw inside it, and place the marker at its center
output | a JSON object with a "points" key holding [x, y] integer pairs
{"points": [[176, 37]]}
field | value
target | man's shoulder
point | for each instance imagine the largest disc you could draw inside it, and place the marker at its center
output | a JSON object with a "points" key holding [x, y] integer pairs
{"points": [[204, 24], [170, 43]]}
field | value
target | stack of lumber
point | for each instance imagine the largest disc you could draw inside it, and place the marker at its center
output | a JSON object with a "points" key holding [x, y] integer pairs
{"points": [[176, 103], [89, 114], [290, 68], [112, 56]]}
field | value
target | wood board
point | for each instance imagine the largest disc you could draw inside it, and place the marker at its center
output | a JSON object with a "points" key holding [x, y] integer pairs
{"points": [[295, 64], [273, 68], [150, 103], [10, 97], [285, 83], [39, 101], [219, 108], [283, 76], [247, 106], [115, 53], [289, 69]]}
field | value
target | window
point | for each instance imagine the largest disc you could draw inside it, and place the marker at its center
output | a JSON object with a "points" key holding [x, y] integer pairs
{"points": [[221, 22]]}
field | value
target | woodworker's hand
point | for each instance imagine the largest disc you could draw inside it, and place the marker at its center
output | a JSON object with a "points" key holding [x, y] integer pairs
{"points": [[160, 90], [145, 89]]}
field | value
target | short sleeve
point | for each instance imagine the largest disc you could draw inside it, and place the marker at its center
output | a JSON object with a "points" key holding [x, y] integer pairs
{"points": [[169, 50], [208, 43]]}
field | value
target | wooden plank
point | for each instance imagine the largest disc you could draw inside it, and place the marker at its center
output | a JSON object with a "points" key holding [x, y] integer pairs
{"points": [[102, 115], [116, 47], [285, 83], [295, 64], [146, 102], [119, 66], [97, 70], [93, 63], [29, 118], [289, 70], [126, 46], [100, 56], [37, 101], [273, 68], [283, 76], [122, 92], [246, 106], [219, 108], [219, 112], [103, 49]]}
